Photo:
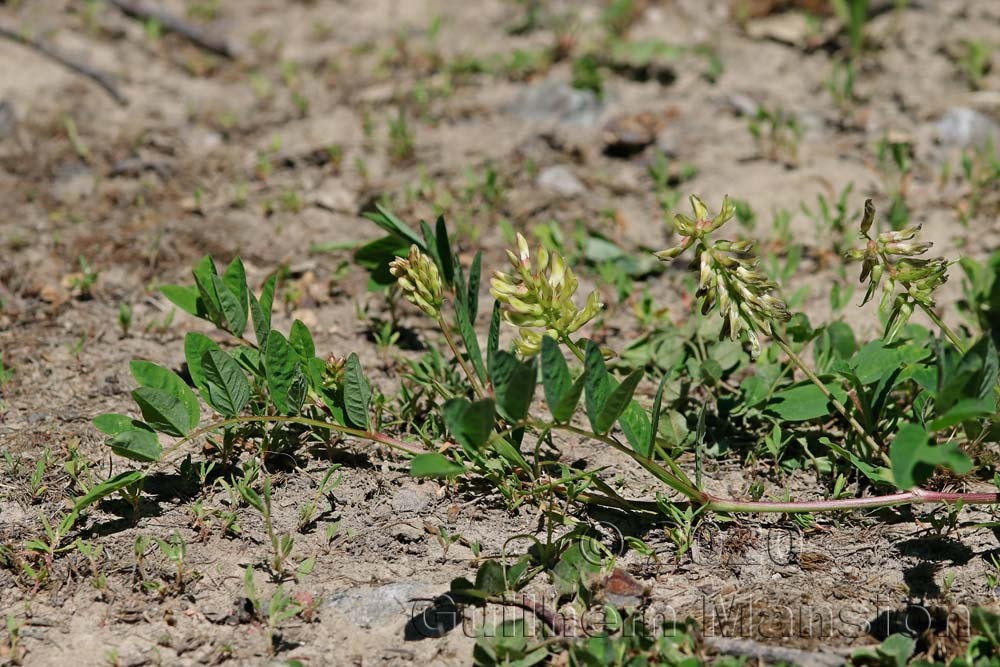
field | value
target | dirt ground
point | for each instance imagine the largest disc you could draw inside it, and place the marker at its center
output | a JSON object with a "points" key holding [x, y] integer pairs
{"points": [[274, 154]]}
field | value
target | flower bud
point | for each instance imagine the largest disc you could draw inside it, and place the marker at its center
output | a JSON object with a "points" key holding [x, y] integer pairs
{"points": [[420, 281]]}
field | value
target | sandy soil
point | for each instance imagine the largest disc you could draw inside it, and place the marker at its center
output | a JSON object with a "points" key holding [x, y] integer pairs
{"points": [[223, 157]]}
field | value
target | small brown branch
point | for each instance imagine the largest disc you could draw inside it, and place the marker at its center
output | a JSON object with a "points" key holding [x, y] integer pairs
{"points": [[102, 79], [551, 618], [201, 38]]}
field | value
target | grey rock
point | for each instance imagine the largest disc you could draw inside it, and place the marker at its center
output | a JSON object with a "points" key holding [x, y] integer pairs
{"points": [[963, 127], [666, 143], [408, 534], [409, 499], [73, 182], [7, 120], [554, 100], [371, 607], [742, 105], [560, 179]]}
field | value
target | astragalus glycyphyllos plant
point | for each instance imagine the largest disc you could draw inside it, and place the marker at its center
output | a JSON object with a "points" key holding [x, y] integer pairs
{"points": [[276, 390]]}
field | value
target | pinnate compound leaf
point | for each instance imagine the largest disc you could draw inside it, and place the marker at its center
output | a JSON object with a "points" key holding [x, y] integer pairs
{"points": [[514, 385], [226, 387], [914, 457], [357, 392], [435, 465], [470, 423]]}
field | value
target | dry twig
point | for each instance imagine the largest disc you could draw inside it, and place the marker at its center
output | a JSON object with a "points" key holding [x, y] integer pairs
{"points": [[201, 38], [102, 79]]}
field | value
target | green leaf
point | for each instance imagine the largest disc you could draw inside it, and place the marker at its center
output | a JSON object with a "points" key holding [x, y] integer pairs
{"points": [[493, 341], [804, 402], [879, 474], [973, 376], [357, 392], [434, 465], [914, 457], [988, 624], [616, 402], [513, 385], [896, 650], [227, 389], [113, 424], [597, 384], [556, 379], [195, 347], [563, 411], [877, 359], [148, 374], [235, 279], [965, 410], [447, 261], [233, 311], [163, 411], [261, 310], [385, 219], [185, 298], [635, 425], [470, 423], [205, 277], [655, 416], [606, 400], [470, 340], [139, 444], [835, 343], [300, 339], [490, 578], [106, 488], [283, 373], [472, 292], [376, 256]]}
